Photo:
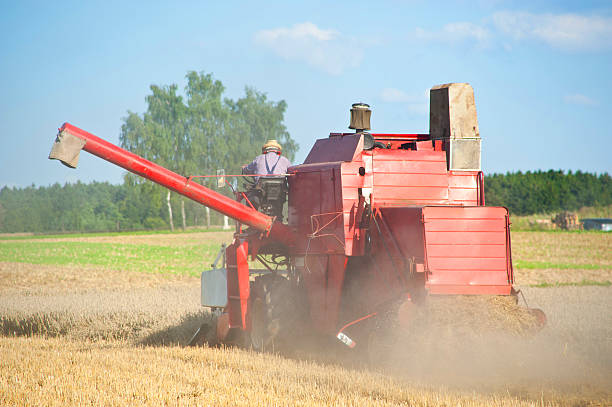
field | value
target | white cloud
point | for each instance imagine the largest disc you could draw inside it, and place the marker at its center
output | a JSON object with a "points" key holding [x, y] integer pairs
{"points": [[572, 32], [579, 99], [324, 49], [457, 32]]}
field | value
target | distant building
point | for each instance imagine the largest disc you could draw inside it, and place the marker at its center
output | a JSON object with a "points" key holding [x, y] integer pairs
{"points": [[604, 224]]}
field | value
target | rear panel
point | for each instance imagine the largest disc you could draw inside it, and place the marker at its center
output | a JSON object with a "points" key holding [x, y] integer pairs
{"points": [[467, 250]]}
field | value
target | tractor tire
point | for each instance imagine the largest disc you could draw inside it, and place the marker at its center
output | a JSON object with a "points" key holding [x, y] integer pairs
{"points": [[276, 313], [382, 338]]}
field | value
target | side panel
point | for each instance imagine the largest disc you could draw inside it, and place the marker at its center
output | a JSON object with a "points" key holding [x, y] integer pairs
{"points": [[418, 177], [315, 209], [237, 283], [467, 250], [213, 287], [324, 278], [352, 207], [406, 229], [463, 188], [404, 177]]}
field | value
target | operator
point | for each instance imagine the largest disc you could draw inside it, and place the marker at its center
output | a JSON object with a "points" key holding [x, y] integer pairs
{"points": [[269, 162]]}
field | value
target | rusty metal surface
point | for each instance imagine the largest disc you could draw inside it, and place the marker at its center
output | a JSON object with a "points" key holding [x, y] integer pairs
{"points": [[66, 149]]}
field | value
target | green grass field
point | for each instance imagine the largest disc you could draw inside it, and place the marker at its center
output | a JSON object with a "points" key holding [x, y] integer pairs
{"points": [[543, 265], [132, 257], [31, 236], [540, 258], [164, 253]]}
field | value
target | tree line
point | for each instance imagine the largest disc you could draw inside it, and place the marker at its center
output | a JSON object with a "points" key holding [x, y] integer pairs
{"points": [[100, 206], [526, 193], [97, 206]]}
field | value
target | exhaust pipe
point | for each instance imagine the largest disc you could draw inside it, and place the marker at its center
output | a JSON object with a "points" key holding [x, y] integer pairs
{"points": [[360, 117]]}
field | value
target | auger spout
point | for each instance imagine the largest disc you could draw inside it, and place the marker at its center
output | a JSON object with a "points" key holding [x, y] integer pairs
{"points": [[71, 140]]}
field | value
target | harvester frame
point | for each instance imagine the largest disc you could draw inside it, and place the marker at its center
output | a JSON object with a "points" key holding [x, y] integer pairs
{"points": [[376, 223]]}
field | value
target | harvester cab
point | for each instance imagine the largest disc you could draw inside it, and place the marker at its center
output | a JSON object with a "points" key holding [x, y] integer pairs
{"points": [[377, 223], [268, 195]]}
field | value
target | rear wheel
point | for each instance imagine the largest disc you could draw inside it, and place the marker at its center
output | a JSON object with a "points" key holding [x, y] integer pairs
{"points": [[276, 313], [386, 331]]}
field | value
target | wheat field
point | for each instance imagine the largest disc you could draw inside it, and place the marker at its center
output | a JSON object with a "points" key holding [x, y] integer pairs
{"points": [[93, 333], [562, 257], [54, 371]]}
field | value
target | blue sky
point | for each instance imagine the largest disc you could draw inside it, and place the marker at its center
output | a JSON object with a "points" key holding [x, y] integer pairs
{"points": [[540, 71]]}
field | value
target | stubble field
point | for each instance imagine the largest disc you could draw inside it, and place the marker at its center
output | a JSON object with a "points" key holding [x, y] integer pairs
{"points": [[101, 319]]}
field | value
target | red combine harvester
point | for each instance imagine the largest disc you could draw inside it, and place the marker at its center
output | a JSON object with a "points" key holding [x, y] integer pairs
{"points": [[376, 223]]}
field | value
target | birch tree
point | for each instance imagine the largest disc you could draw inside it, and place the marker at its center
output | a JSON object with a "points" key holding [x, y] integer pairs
{"points": [[202, 132]]}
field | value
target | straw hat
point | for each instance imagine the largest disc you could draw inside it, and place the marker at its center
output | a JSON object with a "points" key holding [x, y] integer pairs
{"points": [[271, 145]]}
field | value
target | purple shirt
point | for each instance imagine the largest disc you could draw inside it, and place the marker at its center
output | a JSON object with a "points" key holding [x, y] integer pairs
{"points": [[269, 163]]}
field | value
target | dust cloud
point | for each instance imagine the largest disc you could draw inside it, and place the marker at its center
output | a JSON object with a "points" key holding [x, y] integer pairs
{"points": [[571, 355]]}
